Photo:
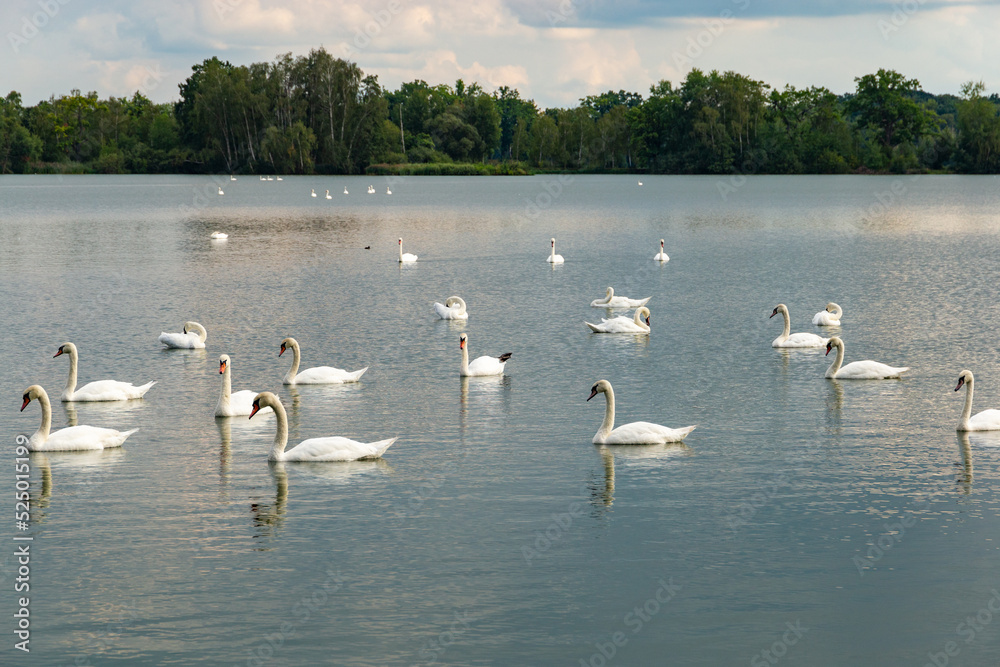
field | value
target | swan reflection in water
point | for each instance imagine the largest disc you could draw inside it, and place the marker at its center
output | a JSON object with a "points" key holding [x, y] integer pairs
{"points": [[489, 391], [965, 473], [602, 487], [110, 408], [84, 471]]}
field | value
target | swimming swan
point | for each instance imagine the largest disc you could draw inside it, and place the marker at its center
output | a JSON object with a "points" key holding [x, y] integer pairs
{"points": [[193, 337], [480, 365], [317, 375], [452, 309], [661, 256], [405, 256], [314, 449], [830, 317], [858, 370], [553, 257], [635, 433], [622, 324], [797, 339], [230, 404], [987, 420], [612, 301], [101, 390], [71, 438]]}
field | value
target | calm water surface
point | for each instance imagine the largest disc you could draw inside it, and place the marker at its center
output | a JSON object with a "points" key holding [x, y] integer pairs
{"points": [[494, 532]]}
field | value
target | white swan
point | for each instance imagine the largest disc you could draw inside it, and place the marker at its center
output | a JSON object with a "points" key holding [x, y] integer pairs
{"points": [[230, 404], [829, 317], [858, 370], [328, 195], [193, 337], [270, 178], [345, 189], [280, 178], [553, 257], [612, 301], [231, 177], [452, 309], [371, 189], [318, 374], [787, 339], [220, 236], [101, 390], [220, 191], [314, 449], [622, 324], [480, 365], [312, 192], [405, 256], [640, 182], [388, 191], [661, 256], [635, 433], [987, 420], [71, 438]]}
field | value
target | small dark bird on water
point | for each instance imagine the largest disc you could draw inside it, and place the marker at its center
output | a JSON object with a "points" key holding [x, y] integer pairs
{"points": [[368, 247]]}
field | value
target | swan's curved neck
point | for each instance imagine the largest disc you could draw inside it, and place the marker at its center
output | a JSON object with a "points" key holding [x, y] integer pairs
{"points": [[43, 430], [835, 366], [281, 434], [401, 250], [200, 330], [787, 331], [71, 382], [553, 253], [296, 358], [609, 414], [638, 319], [967, 410], [837, 313]]}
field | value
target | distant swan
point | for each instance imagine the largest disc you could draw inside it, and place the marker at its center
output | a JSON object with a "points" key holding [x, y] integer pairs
{"points": [[318, 374], [345, 189], [280, 178], [452, 309], [622, 324], [231, 177], [553, 257], [787, 339], [219, 236], [101, 390], [858, 370], [987, 420], [328, 195], [193, 337], [661, 256], [612, 301], [480, 365], [405, 256], [635, 433], [313, 192], [71, 438], [220, 190], [314, 449], [830, 317], [388, 191], [232, 404]]}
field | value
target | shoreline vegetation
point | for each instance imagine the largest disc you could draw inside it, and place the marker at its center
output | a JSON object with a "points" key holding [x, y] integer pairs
{"points": [[318, 114]]}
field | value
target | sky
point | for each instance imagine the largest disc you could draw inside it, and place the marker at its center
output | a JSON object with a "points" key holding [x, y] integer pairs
{"points": [[552, 51]]}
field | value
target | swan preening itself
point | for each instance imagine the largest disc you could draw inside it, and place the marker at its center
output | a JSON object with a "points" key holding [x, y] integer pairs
{"points": [[232, 404], [193, 337], [661, 256], [317, 375], [219, 235], [553, 257], [787, 339], [858, 370], [405, 256], [635, 433], [452, 309], [829, 317], [480, 365], [71, 438], [987, 420], [101, 390], [314, 449], [612, 301], [622, 324]]}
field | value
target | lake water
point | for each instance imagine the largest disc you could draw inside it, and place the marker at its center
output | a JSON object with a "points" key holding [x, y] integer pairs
{"points": [[821, 522]]}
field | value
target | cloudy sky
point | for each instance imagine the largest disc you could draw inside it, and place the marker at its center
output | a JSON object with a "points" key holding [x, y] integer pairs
{"points": [[553, 51]]}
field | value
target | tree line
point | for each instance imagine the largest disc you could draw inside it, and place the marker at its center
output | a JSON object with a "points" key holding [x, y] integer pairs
{"points": [[321, 114]]}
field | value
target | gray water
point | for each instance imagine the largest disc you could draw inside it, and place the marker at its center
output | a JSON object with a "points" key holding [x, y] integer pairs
{"points": [[493, 532]]}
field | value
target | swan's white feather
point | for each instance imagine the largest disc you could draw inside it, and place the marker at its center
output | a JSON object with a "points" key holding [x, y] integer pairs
{"points": [[803, 339], [336, 448], [643, 433], [327, 375], [75, 438], [183, 341], [108, 390], [485, 365]]}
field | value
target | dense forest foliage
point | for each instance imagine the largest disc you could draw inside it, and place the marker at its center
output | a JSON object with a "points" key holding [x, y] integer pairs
{"points": [[321, 114]]}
